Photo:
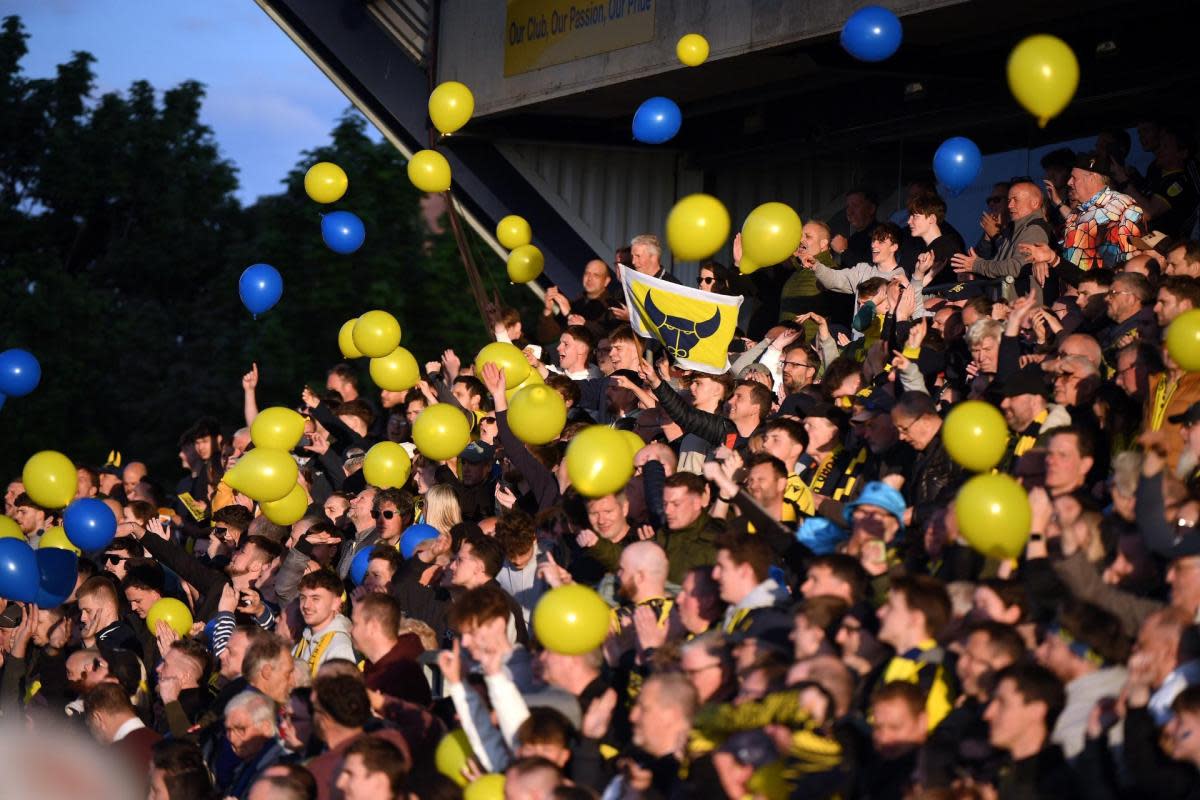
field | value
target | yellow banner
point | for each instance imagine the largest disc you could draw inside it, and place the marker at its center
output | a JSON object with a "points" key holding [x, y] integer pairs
{"points": [[539, 33]]}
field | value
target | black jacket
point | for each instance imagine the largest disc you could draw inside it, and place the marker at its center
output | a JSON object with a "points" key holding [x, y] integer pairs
{"points": [[933, 483]]}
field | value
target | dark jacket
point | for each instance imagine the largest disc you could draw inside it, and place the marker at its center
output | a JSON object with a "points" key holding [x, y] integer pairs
{"points": [[693, 546], [1043, 776], [716, 429], [543, 485], [933, 483], [208, 581]]}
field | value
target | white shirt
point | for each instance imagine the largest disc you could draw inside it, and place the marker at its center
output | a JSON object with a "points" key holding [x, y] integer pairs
{"points": [[127, 727]]}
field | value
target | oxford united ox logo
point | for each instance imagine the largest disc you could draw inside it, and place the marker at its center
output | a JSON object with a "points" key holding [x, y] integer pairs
{"points": [[680, 335]]}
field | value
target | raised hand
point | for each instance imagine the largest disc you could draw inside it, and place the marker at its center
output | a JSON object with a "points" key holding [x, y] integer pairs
{"points": [[155, 525], [990, 224], [650, 634], [1052, 193], [552, 573], [494, 380], [737, 248], [309, 398], [924, 265], [165, 635], [964, 262], [250, 379], [598, 716], [505, 497], [450, 663], [586, 538], [917, 333], [645, 532], [452, 363]]}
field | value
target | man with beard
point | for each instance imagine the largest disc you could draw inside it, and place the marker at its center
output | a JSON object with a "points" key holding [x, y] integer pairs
{"points": [[252, 564], [641, 583]]}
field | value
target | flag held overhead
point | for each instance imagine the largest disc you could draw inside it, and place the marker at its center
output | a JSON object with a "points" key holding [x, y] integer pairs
{"points": [[694, 327]]}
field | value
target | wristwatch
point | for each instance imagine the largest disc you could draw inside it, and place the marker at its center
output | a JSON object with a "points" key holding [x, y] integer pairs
{"points": [[1037, 536]]}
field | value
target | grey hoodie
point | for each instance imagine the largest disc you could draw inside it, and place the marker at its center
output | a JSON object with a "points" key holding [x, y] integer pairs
{"points": [[766, 595], [314, 649]]}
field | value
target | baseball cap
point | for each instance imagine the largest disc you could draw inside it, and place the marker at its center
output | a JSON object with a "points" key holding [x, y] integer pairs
{"points": [[11, 616], [878, 401], [478, 452], [880, 495], [1094, 162], [1189, 417], [1025, 381]]}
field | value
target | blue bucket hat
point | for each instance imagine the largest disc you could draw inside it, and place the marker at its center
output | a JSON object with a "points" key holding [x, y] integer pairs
{"points": [[880, 495]]}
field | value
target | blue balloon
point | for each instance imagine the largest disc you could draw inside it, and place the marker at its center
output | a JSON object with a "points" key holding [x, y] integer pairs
{"points": [[358, 567], [260, 288], [343, 232], [19, 373], [90, 524], [872, 34], [657, 120], [57, 570], [414, 536], [18, 571], [957, 163]]}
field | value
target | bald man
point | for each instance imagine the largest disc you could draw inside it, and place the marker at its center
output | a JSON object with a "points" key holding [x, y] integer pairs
{"points": [[1082, 345], [133, 474], [1029, 226], [642, 581]]}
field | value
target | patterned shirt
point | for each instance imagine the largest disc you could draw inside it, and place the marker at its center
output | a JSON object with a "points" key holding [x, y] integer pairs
{"points": [[1098, 233]]}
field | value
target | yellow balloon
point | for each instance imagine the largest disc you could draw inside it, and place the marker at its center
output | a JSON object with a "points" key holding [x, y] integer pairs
{"points": [[264, 474], [441, 432], [571, 619], [171, 611], [508, 357], [290, 510], [1183, 340], [513, 232], [429, 171], [346, 340], [485, 787], [599, 461], [770, 234], [56, 538], [534, 378], [396, 371], [692, 50], [525, 263], [746, 266], [9, 529], [49, 479], [376, 333], [537, 414], [451, 755], [697, 227], [277, 427], [993, 515], [387, 465], [1043, 74], [325, 182], [975, 435], [635, 442], [450, 106]]}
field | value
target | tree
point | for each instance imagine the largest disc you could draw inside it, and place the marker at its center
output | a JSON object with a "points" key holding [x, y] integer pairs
{"points": [[124, 242]]}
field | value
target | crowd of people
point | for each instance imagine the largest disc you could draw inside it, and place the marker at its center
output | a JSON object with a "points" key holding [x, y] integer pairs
{"points": [[794, 612]]}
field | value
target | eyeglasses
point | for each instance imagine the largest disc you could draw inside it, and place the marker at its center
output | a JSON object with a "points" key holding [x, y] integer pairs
{"points": [[797, 364], [385, 514], [705, 279], [114, 559], [1111, 292], [906, 427]]}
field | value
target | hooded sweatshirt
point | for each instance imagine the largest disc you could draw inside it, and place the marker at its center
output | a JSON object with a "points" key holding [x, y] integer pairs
{"points": [[332, 641]]}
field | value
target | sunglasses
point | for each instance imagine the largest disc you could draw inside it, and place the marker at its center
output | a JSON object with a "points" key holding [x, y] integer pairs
{"points": [[220, 532], [385, 514], [488, 420], [704, 279], [114, 559]]}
